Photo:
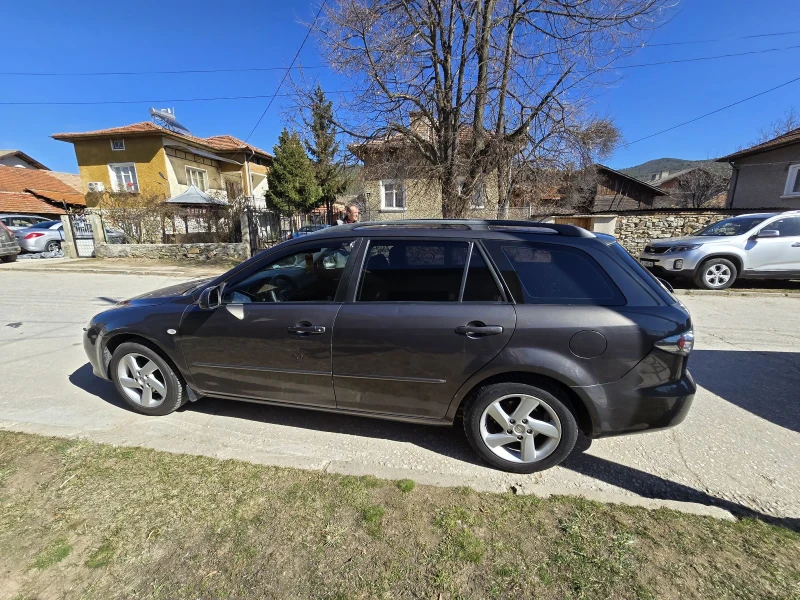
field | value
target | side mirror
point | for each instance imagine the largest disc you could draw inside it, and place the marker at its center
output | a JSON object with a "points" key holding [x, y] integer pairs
{"points": [[769, 233], [210, 298], [666, 284]]}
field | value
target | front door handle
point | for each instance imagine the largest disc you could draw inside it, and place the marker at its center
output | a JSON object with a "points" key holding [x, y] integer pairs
{"points": [[478, 329], [306, 328]]}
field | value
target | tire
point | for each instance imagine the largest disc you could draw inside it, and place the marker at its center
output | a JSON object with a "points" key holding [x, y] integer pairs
{"points": [[9, 258], [52, 246], [163, 399], [719, 270], [550, 411]]}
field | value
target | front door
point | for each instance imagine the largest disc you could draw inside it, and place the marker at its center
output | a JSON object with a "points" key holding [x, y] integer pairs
{"points": [[271, 337], [777, 254], [417, 328]]}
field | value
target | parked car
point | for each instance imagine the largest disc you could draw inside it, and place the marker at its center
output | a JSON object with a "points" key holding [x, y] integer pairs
{"points": [[8, 244], [42, 237], [15, 222], [526, 333], [305, 230], [754, 246]]}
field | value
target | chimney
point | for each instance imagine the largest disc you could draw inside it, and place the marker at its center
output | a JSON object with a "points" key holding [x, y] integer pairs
{"points": [[664, 174]]}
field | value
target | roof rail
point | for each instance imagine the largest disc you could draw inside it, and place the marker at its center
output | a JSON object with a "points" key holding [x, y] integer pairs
{"points": [[476, 224]]}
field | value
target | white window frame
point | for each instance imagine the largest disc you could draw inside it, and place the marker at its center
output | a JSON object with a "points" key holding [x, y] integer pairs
{"points": [[791, 180], [113, 176], [189, 178], [114, 149], [395, 182]]}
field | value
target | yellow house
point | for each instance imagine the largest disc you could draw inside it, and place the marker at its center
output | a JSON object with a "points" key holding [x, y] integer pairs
{"points": [[150, 159]]}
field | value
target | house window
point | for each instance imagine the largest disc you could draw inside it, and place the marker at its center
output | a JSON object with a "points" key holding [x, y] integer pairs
{"points": [[197, 178], [123, 177], [118, 144], [793, 181], [478, 198], [393, 195]]}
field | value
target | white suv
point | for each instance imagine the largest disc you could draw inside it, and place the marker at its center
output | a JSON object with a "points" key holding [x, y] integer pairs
{"points": [[757, 246]]}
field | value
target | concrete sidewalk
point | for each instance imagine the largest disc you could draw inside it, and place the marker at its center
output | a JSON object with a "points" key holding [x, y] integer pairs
{"points": [[116, 266]]}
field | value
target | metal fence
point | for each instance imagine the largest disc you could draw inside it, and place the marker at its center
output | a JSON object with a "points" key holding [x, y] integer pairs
{"points": [[82, 235]]}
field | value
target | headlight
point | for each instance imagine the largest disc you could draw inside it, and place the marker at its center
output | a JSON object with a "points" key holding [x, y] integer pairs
{"points": [[683, 248]]}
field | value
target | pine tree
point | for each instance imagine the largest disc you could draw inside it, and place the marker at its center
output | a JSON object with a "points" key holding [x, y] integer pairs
{"points": [[293, 187], [324, 149]]}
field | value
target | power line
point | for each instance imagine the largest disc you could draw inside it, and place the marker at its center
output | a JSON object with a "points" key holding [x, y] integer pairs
{"points": [[728, 39], [685, 60], [286, 74], [708, 114], [179, 72]]}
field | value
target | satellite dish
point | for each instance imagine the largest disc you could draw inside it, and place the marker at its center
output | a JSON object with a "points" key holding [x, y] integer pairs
{"points": [[166, 118]]}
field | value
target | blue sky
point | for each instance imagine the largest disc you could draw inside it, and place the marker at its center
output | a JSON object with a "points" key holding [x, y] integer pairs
{"points": [[54, 36]]}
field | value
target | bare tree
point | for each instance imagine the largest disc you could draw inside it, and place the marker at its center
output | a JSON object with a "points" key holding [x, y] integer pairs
{"points": [[488, 80], [698, 186], [787, 122]]}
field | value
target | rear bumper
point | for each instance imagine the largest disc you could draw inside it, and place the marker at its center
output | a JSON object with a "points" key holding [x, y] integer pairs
{"points": [[9, 248], [638, 402]]}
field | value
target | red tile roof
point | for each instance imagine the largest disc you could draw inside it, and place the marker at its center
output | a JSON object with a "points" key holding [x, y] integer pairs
{"points": [[791, 137], [221, 143], [36, 191]]}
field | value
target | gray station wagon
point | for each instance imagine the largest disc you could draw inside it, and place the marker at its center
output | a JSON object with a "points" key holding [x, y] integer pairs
{"points": [[524, 333]]}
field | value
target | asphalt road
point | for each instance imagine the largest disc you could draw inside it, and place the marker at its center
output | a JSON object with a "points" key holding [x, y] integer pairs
{"points": [[739, 447]]}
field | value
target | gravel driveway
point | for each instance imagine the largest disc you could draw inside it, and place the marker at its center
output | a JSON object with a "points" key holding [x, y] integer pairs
{"points": [[739, 448]]}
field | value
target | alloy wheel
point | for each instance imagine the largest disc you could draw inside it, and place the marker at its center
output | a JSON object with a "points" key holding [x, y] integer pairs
{"points": [[142, 380], [520, 428], [717, 275]]}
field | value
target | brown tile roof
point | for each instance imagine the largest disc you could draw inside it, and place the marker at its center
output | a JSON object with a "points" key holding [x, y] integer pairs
{"points": [[787, 139], [33, 190], [221, 143], [21, 202], [73, 180]]}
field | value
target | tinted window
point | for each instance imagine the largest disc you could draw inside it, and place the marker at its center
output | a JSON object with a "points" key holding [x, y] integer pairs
{"points": [[789, 226], [413, 271], [480, 285], [554, 274], [308, 275]]}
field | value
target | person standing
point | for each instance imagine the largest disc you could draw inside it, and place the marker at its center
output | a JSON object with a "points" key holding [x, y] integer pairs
{"points": [[350, 215]]}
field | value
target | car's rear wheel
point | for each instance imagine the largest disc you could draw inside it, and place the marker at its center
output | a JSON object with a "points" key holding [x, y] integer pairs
{"points": [[145, 380], [52, 246], [8, 258], [520, 428], [715, 274]]}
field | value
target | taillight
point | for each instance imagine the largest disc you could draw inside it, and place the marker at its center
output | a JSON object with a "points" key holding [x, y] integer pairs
{"points": [[681, 343], [32, 236]]}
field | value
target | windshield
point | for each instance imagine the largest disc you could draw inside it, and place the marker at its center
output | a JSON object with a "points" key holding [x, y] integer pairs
{"points": [[729, 227]]}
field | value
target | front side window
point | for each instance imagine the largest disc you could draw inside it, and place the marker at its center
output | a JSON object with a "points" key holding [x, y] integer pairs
{"points": [[413, 271], [123, 177], [311, 274], [788, 227], [393, 195], [553, 274], [20, 222], [793, 181], [197, 178]]}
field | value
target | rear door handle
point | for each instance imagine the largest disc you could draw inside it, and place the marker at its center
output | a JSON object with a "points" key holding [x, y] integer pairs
{"points": [[306, 329], [479, 330]]}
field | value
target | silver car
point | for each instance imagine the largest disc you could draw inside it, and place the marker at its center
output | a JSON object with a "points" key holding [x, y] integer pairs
{"points": [[42, 237], [15, 221], [754, 246]]}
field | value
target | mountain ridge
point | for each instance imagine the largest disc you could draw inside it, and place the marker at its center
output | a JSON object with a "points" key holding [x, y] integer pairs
{"points": [[645, 170]]}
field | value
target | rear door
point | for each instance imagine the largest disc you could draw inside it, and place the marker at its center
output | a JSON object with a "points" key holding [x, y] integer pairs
{"points": [[418, 324]]}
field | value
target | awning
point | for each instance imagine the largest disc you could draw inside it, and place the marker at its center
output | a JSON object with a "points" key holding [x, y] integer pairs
{"points": [[195, 197], [202, 153]]}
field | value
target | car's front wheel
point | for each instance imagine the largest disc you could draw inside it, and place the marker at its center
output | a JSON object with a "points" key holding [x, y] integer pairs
{"points": [[715, 274], [145, 380], [520, 428]]}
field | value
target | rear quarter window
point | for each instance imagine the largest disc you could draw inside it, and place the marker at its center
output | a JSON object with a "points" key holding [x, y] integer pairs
{"points": [[540, 273]]}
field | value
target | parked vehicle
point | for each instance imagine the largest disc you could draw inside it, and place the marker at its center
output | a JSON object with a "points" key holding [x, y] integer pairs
{"points": [[754, 246], [305, 230], [15, 222], [42, 237], [8, 244], [526, 333]]}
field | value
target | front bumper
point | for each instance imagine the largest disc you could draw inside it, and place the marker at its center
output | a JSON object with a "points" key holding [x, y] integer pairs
{"points": [[95, 351], [655, 394], [665, 263]]}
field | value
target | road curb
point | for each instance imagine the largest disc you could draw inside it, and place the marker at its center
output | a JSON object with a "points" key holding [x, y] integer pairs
{"points": [[106, 271], [743, 293]]}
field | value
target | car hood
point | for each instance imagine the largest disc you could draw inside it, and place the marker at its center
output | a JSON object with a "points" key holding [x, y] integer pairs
{"points": [[692, 239], [162, 295]]}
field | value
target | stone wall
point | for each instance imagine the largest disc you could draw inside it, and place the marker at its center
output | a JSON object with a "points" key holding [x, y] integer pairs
{"points": [[198, 252], [634, 231]]}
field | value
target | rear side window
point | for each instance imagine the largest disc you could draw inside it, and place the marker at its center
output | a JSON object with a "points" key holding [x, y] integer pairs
{"points": [[645, 275], [553, 274], [413, 271]]}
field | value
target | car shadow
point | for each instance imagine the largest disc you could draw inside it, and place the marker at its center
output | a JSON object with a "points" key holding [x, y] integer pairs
{"points": [[446, 441], [765, 384]]}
